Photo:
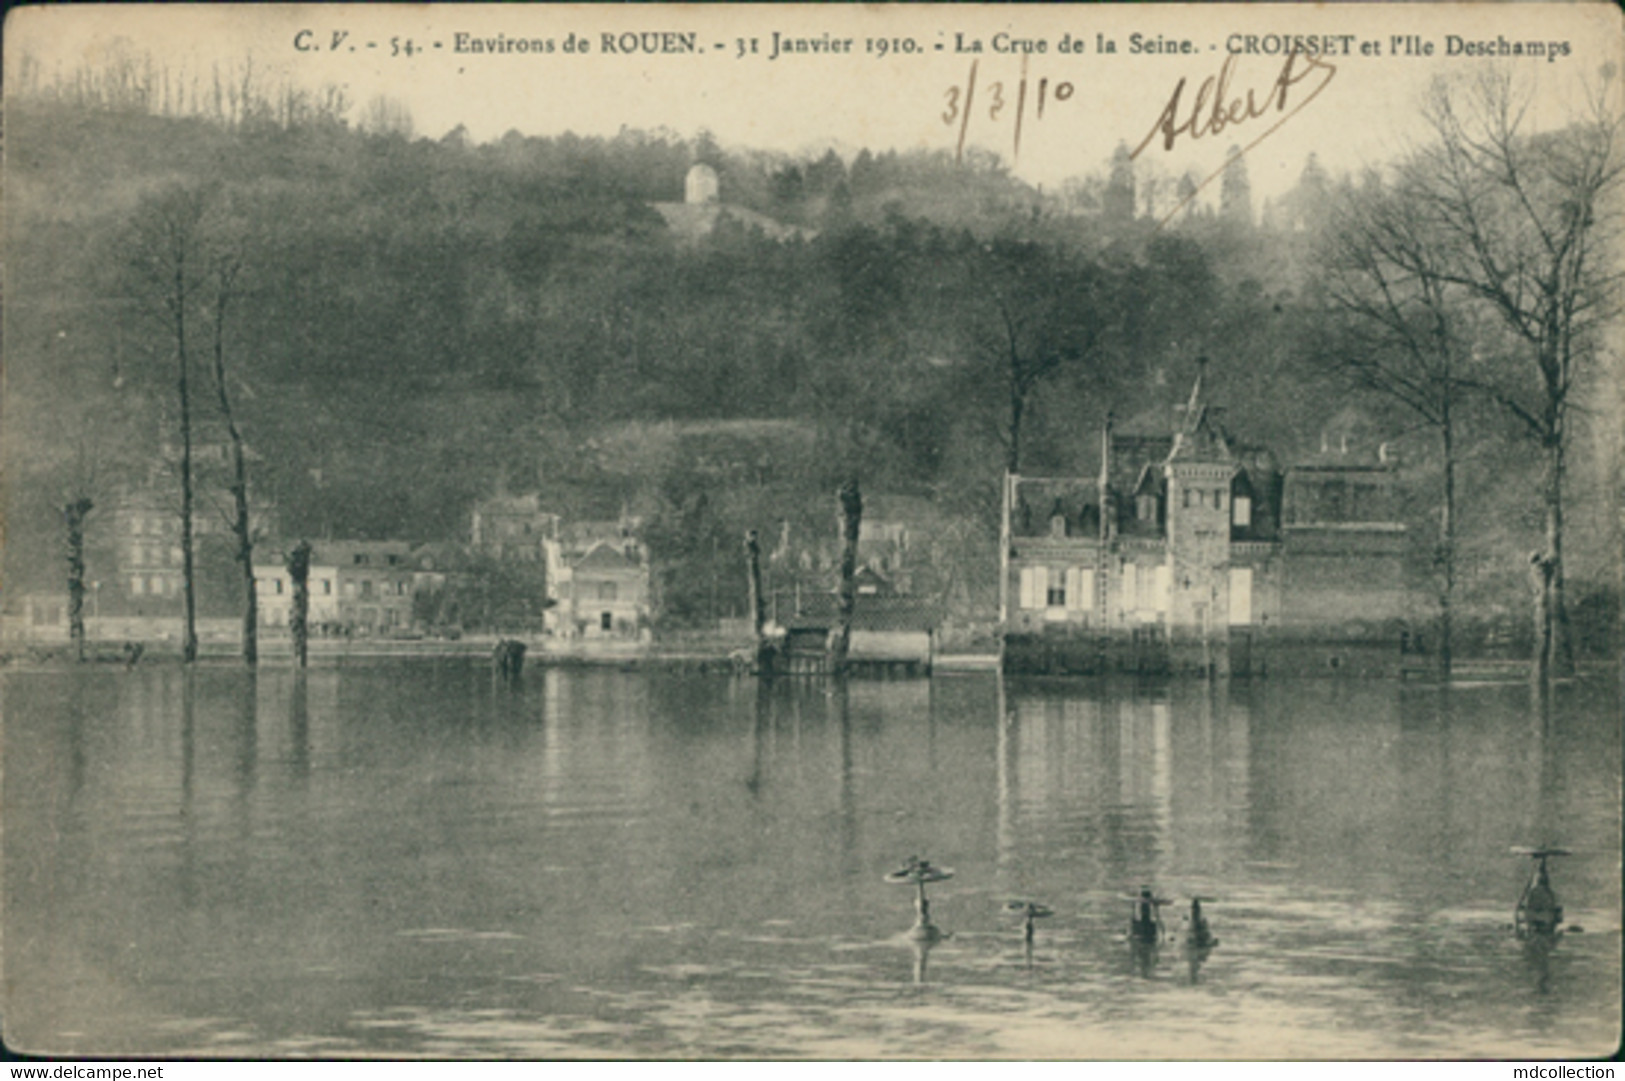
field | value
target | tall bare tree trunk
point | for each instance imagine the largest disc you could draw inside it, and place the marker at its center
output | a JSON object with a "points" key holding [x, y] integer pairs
{"points": [[298, 564], [1540, 572], [245, 558], [241, 527], [1018, 407], [74, 515], [1559, 660], [846, 595], [1447, 546], [188, 574]]}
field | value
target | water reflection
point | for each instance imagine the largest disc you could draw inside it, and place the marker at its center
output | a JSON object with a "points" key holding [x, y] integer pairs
{"points": [[763, 721], [1197, 940], [245, 740], [920, 948], [1195, 958], [299, 729], [1543, 825], [838, 705], [1537, 955], [188, 876], [1143, 956], [209, 861]]}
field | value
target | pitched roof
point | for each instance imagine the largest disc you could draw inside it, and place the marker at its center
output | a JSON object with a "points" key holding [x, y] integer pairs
{"points": [[1200, 437], [1131, 453], [1038, 499], [605, 557]]}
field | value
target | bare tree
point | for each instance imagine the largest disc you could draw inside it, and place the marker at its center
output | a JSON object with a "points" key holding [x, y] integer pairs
{"points": [[1526, 223], [1027, 309], [1406, 335], [226, 266], [77, 454], [85, 485], [169, 265], [385, 115]]}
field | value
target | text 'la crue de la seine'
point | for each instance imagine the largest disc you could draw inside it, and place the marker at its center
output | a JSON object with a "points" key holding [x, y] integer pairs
{"points": [[776, 46]]}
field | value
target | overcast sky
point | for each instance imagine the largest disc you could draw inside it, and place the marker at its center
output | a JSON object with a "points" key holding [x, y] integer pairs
{"points": [[1365, 112]]}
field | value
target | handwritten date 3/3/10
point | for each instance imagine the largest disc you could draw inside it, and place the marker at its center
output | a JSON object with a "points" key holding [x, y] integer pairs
{"points": [[960, 102]]}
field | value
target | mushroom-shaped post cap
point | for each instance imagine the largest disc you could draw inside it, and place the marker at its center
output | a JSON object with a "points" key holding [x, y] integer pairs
{"points": [[1032, 910], [918, 872], [1146, 898], [1539, 853]]}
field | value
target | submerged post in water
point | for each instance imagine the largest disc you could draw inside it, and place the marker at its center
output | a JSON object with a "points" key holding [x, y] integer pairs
{"points": [[918, 872]]}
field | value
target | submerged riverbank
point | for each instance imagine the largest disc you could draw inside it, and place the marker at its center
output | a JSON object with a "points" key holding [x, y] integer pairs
{"points": [[720, 657]]}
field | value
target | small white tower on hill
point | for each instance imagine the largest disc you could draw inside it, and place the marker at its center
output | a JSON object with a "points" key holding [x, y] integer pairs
{"points": [[701, 186]]}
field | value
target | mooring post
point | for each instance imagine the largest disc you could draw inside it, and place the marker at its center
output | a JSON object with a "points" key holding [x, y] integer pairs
{"points": [[758, 605]]}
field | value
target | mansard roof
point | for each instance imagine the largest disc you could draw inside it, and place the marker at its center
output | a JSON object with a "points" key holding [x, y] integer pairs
{"points": [[1038, 499]]}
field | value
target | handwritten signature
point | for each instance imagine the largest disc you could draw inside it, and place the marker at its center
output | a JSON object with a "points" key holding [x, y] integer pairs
{"points": [[1215, 108]]}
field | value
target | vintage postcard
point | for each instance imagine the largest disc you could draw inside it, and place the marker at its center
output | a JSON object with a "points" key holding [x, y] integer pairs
{"points": [[900, 532]]}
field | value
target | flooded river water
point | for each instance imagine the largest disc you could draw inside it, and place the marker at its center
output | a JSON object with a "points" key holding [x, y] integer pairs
{"points": [[406, 860]]}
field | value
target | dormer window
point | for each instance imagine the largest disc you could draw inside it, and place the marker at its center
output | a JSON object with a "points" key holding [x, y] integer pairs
{"points": [[1146, 508], [1242, 510], [1057, 526]]}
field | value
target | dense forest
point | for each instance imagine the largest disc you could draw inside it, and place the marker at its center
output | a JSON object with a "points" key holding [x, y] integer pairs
{"points": [[416, 323]]}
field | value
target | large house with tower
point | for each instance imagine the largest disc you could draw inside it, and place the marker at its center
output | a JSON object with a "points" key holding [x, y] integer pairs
{"points": [[1192, 550]]}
